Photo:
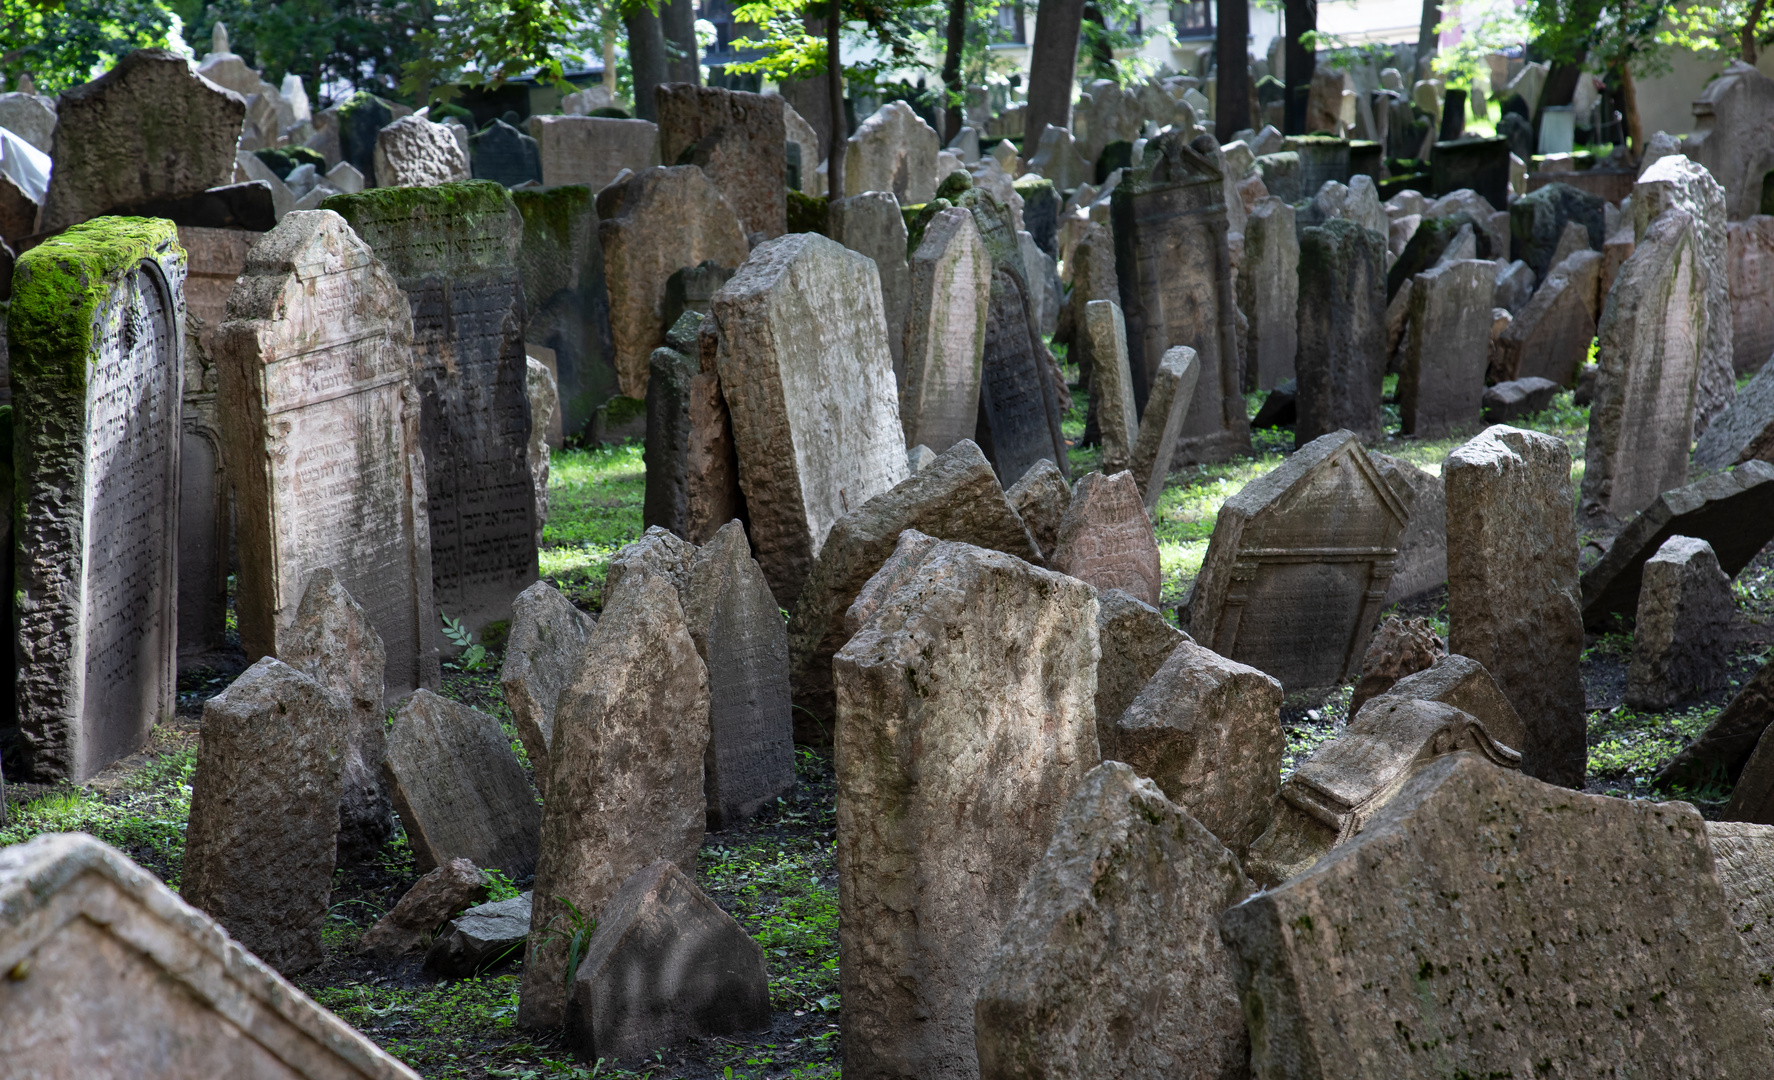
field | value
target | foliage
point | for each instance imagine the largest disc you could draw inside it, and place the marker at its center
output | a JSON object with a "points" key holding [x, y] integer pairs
{"points": [[791, 52], [64, 43], [486, 43], [1459, 63], [1607, 32], [146, 820], [338, 46], [1118, 32], [474, 654], [1716, 26], [594, 499]]}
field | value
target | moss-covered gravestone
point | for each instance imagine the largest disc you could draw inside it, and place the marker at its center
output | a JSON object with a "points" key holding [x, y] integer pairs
{"points": [[97, 334], [453, 249]]}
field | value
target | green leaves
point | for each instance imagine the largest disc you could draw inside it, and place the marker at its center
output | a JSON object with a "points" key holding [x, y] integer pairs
{"points": [[487, 43]]}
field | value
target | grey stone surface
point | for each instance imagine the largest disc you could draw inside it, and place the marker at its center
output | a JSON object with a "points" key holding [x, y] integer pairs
{"points": [[29, 116], [657, 552], [1463, 683], [1106, 538], [894, 150], [1681, 645], [1112, 964], [949, 288], [1512, 587], [265, 812], [1040, 498], [1744, 431], [1674, 182], [1360, 962], [566, 302], [1423, 547], [1269, 291], [544, 395], [977, 656], [1399, 647], [1135, 639], [1749, 270], [1111, 384], [1719, 755], [1515, 286], [737, 140], [543, 652], [870, 224], [1342, 330], [593, 150], [1167, 405], [432, 901], [667, 448], [1731, 136], [504, 155], [124, 978], [1509, 401], [1743, 856], [1299, 564], [414, 152], [1441, 387], [1537, 222], [480, 938]]}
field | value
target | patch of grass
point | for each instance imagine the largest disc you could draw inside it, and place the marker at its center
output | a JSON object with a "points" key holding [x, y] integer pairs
{"points": [[146, 820], [594, 508], [438, 1030], [1630, 746], [1185, 514]]}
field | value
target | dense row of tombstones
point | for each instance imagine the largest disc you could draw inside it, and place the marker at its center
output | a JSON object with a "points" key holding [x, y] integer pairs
{"points": [[1055, 807]]}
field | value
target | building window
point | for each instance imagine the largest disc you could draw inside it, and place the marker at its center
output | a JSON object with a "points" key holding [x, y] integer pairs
{"points": [[1192, 18], [1010, 24]]}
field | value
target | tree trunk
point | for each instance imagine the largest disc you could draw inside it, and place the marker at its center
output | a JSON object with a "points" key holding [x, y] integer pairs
{"points": [[1302, 18], [683, 61], [646, 55], [1748, 37], [1428, 41], [951, 71], [1635, 130], [1232, 54], [834, 81], [1100, 54], [1053, 65]]}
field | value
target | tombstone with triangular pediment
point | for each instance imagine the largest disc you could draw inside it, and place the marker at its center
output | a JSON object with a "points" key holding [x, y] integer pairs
{"points": [[1297, 570]]}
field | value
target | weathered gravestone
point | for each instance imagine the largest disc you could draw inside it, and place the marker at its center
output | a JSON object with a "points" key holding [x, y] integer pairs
{"points": [[950, 288], [453, 249], [1112, 964], [1512, 587], [1441, 387], [871, 224], [593, 150], [977, 657], [1752, 799], [542, 655], [1167, 405], [666, 448], [458, 788], [30, 116], [148, 128], [566, 305], [808, 380], [504, 155], [1269, 291], [1111, 384], [1410, 940], [544, 398], [1743, 856], [1177, 288], [357, 120], [480, 938], [1463, 682], [1744, 431], [1298, 567], [1719, 755], [96, 336], [433, 899], [1399, 647], [414, 152], [1674, 182], [1731, 135], [738, 140], [1106, 538], [1749, 269], [1135, 638], [1091, 265], [264, 824], [627, 785], [1509, 401], [893, 150], [1342, 330], [651, 224], [656, 552], [1681, 641], [1423, 547], [1537, 222], [116, 976], [1040, 498], [1641, 425], [323, 426]]}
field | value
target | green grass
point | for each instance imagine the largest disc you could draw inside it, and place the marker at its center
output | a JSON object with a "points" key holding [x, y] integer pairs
{"points": [[146, 819], [594, 508]]}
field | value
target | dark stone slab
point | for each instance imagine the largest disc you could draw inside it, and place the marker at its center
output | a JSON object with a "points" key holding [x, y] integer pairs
{"points": [[566, 306], [1537, 221], [668, 439], [504, 155], [235, 206], [1342, 320], [1506, 402], [1479, 164]]}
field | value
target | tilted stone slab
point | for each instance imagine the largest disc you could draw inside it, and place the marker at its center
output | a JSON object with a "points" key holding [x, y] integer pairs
{"points": [[1342, 349], [1423, 548], [1743, 855], [1749, 270], [1752, 799], [666, 449], [1441, 389], [871, 224], [1111, 384], [593, 150], [893, 150], [566, 300], [1724, 748], [1463, 683], [657, 552], [1744, 431], [1040, 498], [1173, 387], [1136, 639], [1550, 337], [1674, 182], [733, 137], [414, 152], [1269, 291], [1106, 538], [950, 287], [547, 644]]}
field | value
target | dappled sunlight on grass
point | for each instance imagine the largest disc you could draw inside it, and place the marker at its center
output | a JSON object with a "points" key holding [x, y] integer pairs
{"points": [[594, 508]]}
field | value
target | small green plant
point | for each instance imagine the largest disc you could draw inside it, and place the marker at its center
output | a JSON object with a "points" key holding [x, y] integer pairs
{"points": [[577, 937], [474, 654], [499, 886]]}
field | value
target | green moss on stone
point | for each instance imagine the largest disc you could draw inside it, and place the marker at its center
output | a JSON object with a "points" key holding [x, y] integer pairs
{"points": [[376, 213], [611, 112], [807, 213], [622, 410], [953, 185], [549, 212], [284, 160], [59, 285]]}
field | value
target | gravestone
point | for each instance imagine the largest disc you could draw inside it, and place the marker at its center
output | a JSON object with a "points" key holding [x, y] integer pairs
{"points": [[1681, 644], [1269, 291], [1674, 182], [480, 938], [1297, 570], [1479, 164], [1749, 269], [1731, 135], [358, 120], [1342, 330], [1537, 222], [453, 249], [96, 336], [979, 656], [1515, 286], [1041, 206], [29, 116], [458, 787], [1091, 265], [1509, 881], [317, 391], [1111, 384], [669, 372], [804, 368], [1743, 856], [1399, 647], [870, 224], [1423, 547], [1718, 756], [431, 902], [949, 290], [176, 130], [656, 552], [1550, 337], [1112, 965], [1512, 587], [711, 470], [1744, 431], [542, 655], [1173, 387], [593, 150], [738, 631], [1135, 638], [627, 788], [544, 397], [504, 155], [1206, 730], [893, 150], [1463, 683], [1441, 388], [1056, 158], [414, 152], [265, 812], [1752, 799], [738, 141], [125, 977], [1641, 425], [651, 224], [1106, 538], [1040, 498], [692, 289], [1177, 288]]}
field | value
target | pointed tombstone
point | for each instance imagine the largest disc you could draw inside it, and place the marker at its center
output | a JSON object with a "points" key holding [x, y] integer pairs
{"points": [[1641, 425], [1550, 337], [265, 812], [96, 336], [1136, 639], [1112, 965], [1509, 880], [808, 380], [893, 150], [1342, 319], [1681, 641], [1166, 406], [1207, 730], [1512, 587], [119, 976], [956, 497], [177, 129], [504, 155], [1112, 384], [977, 657], [736, 138], [566, 302], [1463, 683], [627, 786], [453, 249], [332, 477], [1174, 203], [739, 634], [945, 333], [458, 787], [1040, 498], [871, 224], [1056, 157], [1441, 388], [1752, 799], [1269, 291], [656, 552], [1107, 539], [1537, 222], [1297, 570], [1675, 182], [546, 646]]}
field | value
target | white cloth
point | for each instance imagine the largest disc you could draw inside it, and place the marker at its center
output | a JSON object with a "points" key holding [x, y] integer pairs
{"points": [[24, 165]]}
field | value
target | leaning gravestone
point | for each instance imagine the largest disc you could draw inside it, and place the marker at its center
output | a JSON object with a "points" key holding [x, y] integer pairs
{"points": [[96, 336], [1177, 288], [1743, 856], [542, 655], [504, 155], [737, 139], [808, 381], [175, 130], [871, 224], [124, 979], [1342, 340], [1269, 291], [1749, 268], [1040, 498], [1512, 587], [1460, 881], [1297, 570], [665, 450], [1111, 384], [1136, 639], [1537, 222], [316, 381], [1673, 182], [1423, 548], [894, 150], [1550, 337], [1173, 387], [950, 288], [978, 657], [1745, 430], [453, 249], [627, 788], [1441, 388], [1681, 639], [414, 152], [1463, 682], [1106, 538], [1112, 965], [593, 150], [264, 821]]}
